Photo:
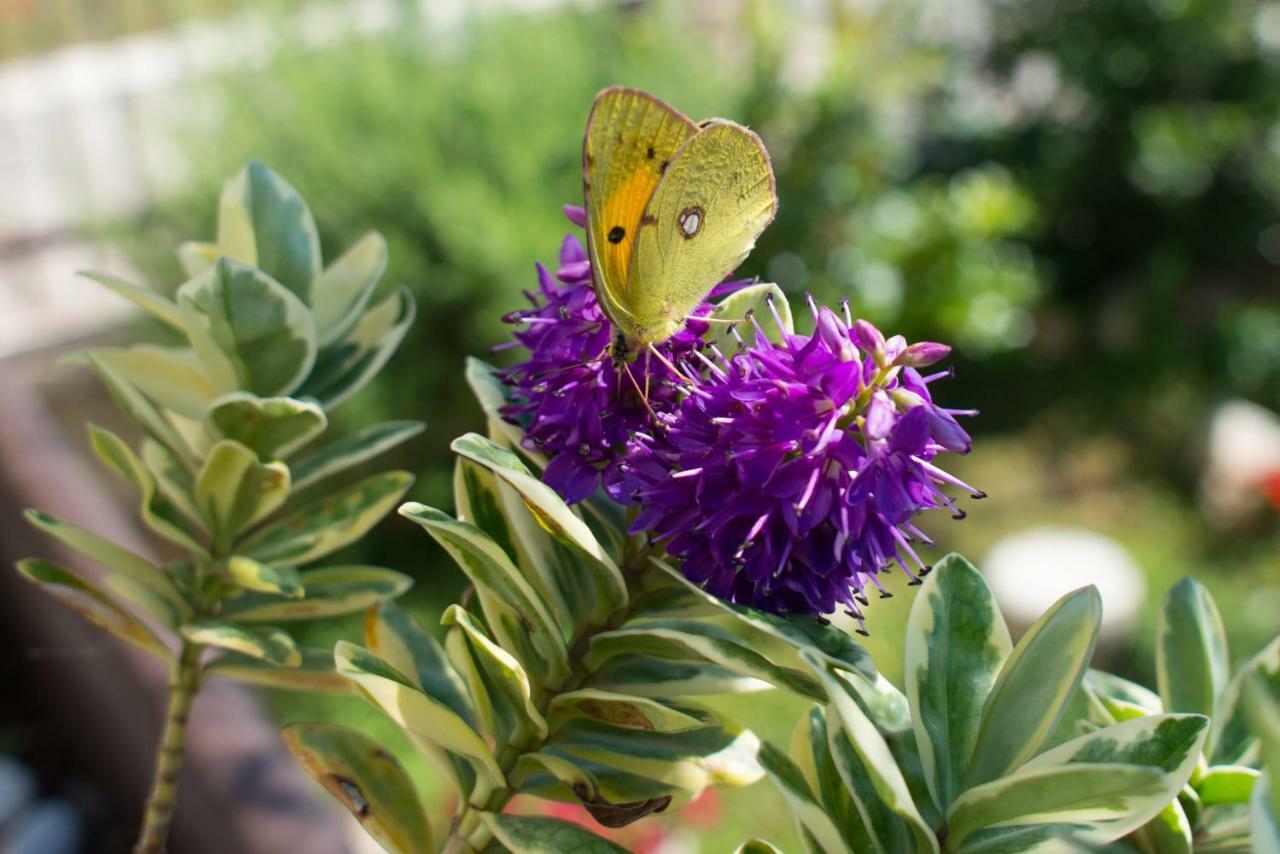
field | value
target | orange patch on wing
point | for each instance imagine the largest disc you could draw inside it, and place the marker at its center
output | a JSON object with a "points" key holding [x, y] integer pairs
{"points": [[623, 210]]}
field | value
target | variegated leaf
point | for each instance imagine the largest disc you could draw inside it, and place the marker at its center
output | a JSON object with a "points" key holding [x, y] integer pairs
{"points": [[272, 427], [263, 222], [92, 604], [517, 615], [1035, 685], [1191, 651], [328, 523], [956, 644], [314, 673], [157, 514], [266, 642], [328, 592], [341, 293], [365, 779], [249, 331], [351, 451], [424, 716]]}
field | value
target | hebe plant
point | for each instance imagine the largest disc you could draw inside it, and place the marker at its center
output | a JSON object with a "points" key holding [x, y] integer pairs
{"points": [[571, 669], [230, 468]]}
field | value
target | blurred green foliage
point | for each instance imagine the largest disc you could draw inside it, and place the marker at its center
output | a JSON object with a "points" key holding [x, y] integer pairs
{"points": [[1081, 196]]}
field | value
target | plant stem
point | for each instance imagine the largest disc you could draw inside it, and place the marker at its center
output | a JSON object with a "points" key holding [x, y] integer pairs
{"points": [[184, 681]]}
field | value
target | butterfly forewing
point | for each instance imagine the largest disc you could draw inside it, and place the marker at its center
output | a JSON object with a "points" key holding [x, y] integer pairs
{"points": [[709, 207], [631, 138]]}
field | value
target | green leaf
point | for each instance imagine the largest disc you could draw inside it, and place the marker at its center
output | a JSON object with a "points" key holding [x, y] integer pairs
{"points": [[810, 815], [173, 378], [365, 779], [1035, 685], [1263, 821], [492, 395], [536, 835], [234, 491], [175, 483], [423, 716], [141, 411], [147, 598], [1079, 793], [1170, 744], [1264, 717], [157, 514], [266, 643], [623, 710], [659, 678], [689, 760], [273, 427], [757, 846], [328, 592], [811, 750], [157, 305], [551, 513], [92, 604], [499, 679], [263, 222], [956, 644], [1231, 740], [342, 291], [328, 523], [314, 673], [351, 451], [109, 554], [345, 367], [252, 575], [865, 761], [195, 257], [753, 301], [801, 631], [1119, 688], [1226, 784], [689, 639], [1168, 833], [392, 634], [517, 615], [250, 333], [1191, 651]]}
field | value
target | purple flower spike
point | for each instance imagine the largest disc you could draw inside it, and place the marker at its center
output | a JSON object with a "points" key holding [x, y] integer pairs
{"points": [[574, 404], [790, 478]]}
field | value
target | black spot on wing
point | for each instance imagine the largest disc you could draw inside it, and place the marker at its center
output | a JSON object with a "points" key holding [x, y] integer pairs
{"points": [[616, 234], [650, 153]]}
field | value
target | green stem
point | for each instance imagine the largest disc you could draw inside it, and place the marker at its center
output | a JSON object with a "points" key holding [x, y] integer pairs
{"points": [[183, 684]]}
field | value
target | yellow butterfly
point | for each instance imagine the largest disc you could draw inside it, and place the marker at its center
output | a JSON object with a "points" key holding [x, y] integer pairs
{"points": [[673, 207]]}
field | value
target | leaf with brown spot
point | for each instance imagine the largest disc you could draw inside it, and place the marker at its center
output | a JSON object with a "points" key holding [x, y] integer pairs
{"points": [[366, 780]]}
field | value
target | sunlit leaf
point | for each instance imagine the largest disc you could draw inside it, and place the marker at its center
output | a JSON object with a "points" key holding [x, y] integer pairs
{"points": [[1034, 686], [263, 222], [273, 427], [266, 642]]}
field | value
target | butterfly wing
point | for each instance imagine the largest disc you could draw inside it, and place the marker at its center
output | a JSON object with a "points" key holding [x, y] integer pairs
{"points": [[630, 140], [712, 203]]}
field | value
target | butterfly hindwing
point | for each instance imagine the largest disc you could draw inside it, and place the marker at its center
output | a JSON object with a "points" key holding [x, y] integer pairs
{"points": [[702, 220], [631, 138]]}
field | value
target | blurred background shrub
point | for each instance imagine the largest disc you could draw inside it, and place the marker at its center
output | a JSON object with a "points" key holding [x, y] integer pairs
{"points": [[1082, 195]]}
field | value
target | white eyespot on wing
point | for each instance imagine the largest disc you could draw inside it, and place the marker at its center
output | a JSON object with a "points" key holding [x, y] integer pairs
{"points": [[690, 221]]}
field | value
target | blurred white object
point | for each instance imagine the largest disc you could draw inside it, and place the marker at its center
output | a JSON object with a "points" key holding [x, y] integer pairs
{"points": [[1242, 456], [49, 826], [17, 787], [1030, 570]]}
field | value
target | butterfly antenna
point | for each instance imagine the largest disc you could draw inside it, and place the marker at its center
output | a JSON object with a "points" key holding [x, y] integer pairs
{"points": [[648, 371]]}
